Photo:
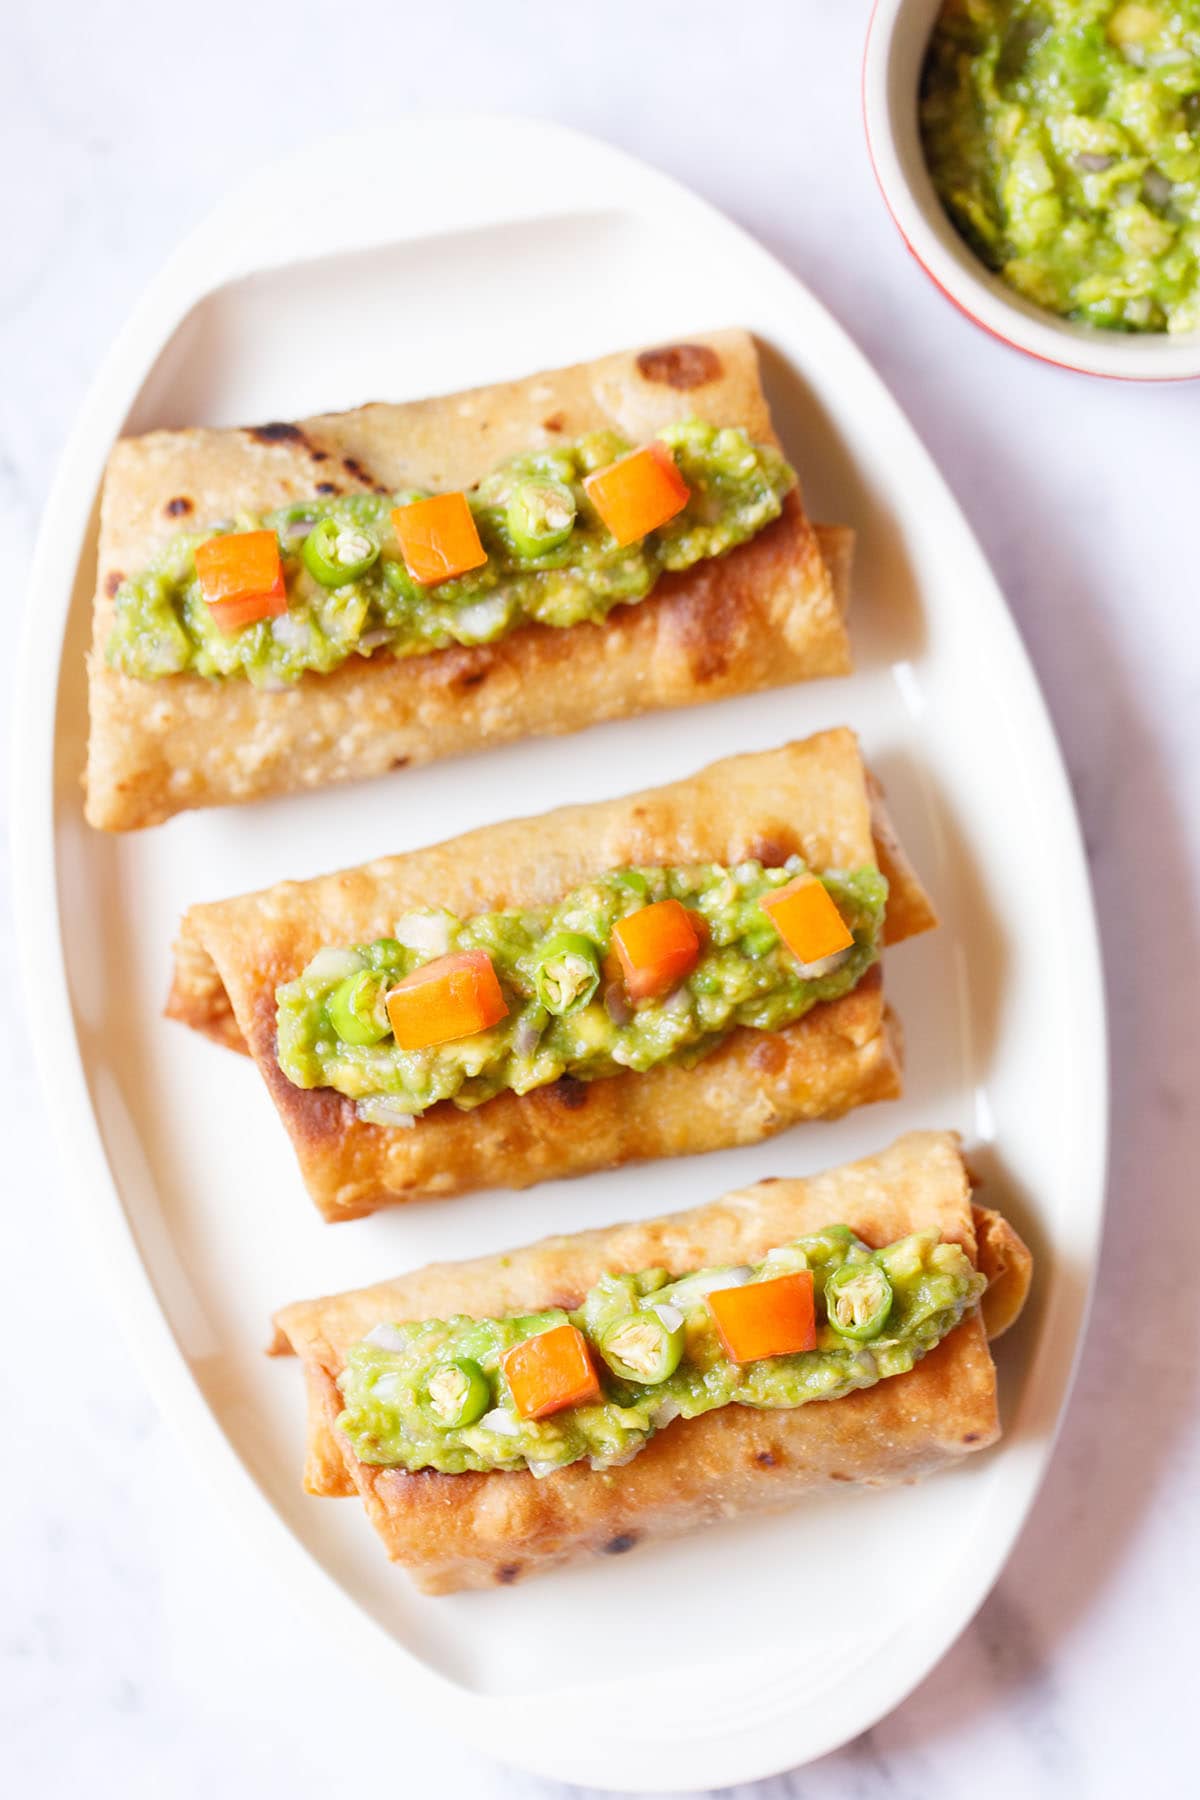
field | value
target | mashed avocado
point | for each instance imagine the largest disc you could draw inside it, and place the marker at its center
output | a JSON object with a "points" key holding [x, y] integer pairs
{"points": [[398, 1379], [745, 976], [1063, 137], [163, 625]]}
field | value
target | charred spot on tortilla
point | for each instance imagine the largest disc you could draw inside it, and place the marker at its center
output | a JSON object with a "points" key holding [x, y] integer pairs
{"points": [[768, 1054], [400, 762], [112, 582], [680, 365], [769, 851], [619, 668], [316, 1116], [355, 469], [178, 506], [327, 487], [705, 618], [566, 1300], [570, 1092], [462, 666], [483, 1528], [277, 432]]}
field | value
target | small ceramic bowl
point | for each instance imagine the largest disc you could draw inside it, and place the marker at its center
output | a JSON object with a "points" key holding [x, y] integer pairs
{"points": [[896, 40]]}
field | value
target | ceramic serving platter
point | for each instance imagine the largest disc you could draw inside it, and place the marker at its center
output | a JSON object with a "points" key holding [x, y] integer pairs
{"points": [[329, 281]]}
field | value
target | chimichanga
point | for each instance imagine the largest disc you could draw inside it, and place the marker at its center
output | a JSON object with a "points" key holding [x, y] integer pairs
{"points": [[197, 701], [749, 1042], [478, 1529]]}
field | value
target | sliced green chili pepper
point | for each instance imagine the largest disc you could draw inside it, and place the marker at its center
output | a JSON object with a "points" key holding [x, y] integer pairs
{"points": [[540, 516], [353, 1009], [457, 1393], [858, 1300], [642, 1347], [335, 553], [567, 972]]}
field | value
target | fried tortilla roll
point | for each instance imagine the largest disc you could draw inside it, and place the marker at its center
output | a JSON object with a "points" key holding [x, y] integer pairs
{"points": [[479, 1529], [199, 705], [743, 822]]}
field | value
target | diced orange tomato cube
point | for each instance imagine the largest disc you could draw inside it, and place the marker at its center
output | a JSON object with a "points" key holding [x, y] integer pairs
{"points": [[438, 538], [658, 945], [807, 919], [766, 1318], [551, 1371], [638, 492], [241, 578], [451, 997]]}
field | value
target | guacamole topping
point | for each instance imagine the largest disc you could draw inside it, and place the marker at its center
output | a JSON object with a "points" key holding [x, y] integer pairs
{"points": [[568, 1012], [550, 559], [1063, 138], [406, 1386]]}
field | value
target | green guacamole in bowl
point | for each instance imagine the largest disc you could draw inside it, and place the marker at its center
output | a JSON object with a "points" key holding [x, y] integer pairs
{"points": [[1063, 139]]}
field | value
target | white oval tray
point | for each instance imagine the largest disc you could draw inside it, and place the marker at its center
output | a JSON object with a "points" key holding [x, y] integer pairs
{"points": [[427, 257]]}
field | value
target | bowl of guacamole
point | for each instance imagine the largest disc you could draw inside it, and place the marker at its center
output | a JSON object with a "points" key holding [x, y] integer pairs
{"points": [[1042, 161]]}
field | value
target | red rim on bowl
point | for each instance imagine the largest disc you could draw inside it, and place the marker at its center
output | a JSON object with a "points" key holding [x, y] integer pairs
{"points": [[957, 280]]}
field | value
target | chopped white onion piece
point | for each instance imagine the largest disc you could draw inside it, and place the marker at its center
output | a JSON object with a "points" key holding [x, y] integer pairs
{"points": [[541, 1469], [670, 1316], [695, 1287], [385, 1337], [290, 632], [374, 640], [825, 965], [334, 964], [499, 1421], [729, 1278], [1157, 187], [526, 1037], [616, 1003], [386, 1109], [427, 932], [665, 1412], [476, 624]]}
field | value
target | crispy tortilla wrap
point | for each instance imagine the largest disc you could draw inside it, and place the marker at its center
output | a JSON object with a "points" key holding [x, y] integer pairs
{"points": [[813, 798], [766, 614], [477, 1530]]}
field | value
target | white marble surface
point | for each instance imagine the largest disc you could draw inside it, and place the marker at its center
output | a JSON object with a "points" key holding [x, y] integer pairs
{"points": [[141, 1651]]}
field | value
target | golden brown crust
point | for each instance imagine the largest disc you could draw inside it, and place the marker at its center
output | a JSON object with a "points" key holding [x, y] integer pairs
{"points": [[455, 1531], [808, 798], [910, 910], [764, 615], [1007, 1261]]}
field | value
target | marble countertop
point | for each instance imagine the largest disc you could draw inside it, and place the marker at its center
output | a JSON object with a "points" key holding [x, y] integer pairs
{"points": [[142, 1652]]}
